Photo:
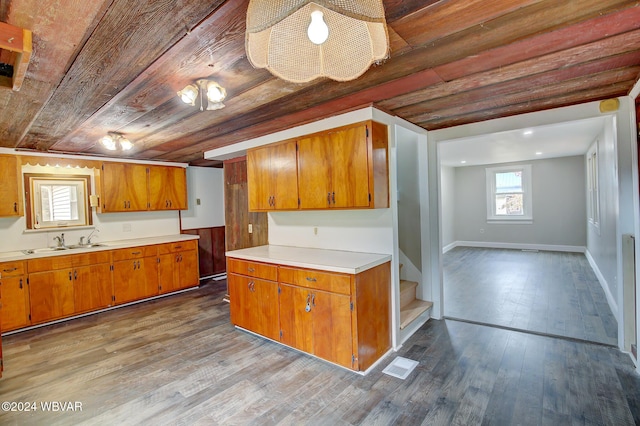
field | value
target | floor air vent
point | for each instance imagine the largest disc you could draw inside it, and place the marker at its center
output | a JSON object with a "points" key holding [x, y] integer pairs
{"points": [[400, 367]]}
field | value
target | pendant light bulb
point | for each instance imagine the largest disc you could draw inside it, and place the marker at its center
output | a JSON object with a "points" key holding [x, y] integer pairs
{"points": [[318, 30], [189, 94], [108, 142]]}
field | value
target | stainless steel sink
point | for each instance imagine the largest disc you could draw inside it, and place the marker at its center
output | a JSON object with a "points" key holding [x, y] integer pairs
{"points": [[81, 246], [61, 248]]}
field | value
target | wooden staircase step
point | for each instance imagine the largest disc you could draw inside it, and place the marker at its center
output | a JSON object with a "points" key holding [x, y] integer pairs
{"points": [[407, 292], [412, 311]]}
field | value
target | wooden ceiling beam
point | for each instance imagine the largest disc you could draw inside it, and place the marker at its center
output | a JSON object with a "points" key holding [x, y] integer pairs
{"points": [[531, 106]]}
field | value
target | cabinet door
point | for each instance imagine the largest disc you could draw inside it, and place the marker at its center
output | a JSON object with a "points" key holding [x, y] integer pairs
{"points": [[284, 172], [168, 273], [272, 173], [259, 179], [124, 187], [349, 168], [167, 188], [135, 279], [10, 198], [295, 319], [314, 172], [51, 295], [332, 336], [254, 305], [15, 303], [188, 269], [92, 288]]}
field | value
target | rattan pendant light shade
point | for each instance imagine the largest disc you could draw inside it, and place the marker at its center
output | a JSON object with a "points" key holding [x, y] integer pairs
{"points": [[277, 39]]}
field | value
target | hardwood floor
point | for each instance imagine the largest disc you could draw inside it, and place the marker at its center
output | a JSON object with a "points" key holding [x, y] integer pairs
{"points": [[545, 292], [178, 360]]}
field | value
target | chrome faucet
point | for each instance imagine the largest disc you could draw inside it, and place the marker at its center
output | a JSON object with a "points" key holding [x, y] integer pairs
{"points": [[89, 237], [60, 240]]}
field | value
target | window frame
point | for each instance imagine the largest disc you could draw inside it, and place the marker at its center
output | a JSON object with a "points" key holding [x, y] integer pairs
{"points": [[33, 207], [527, 216]]}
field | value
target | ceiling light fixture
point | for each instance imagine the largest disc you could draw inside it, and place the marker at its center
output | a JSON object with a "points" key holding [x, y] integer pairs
{"points": [[301, 40], [211, 94], [115, 140]]}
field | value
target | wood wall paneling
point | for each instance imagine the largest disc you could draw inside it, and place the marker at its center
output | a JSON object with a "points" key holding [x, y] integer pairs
{"points": [[237, 215], [211, 249]]}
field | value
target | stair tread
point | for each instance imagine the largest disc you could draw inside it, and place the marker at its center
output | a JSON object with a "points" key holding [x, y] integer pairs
{"points": [[407, 292], [412, 311], [405, 284]]}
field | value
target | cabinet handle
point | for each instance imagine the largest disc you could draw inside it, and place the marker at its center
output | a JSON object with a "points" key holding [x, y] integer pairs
{"points": [[333, 197], [15, 207], [9, 270], [313, 300], [311, 279], [307, 308], [20, 282], [125, 204], [70, 279], [180, 258], [328, 198], [170, 203], [178, 247], [75, 275], [251, 269], [136, 252], [138, 264]]}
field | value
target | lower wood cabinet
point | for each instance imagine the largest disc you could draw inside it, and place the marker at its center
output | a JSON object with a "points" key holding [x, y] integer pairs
{"points": [[342, 318], [92, 288], [177, 266], [135, 273], [15, 296]]}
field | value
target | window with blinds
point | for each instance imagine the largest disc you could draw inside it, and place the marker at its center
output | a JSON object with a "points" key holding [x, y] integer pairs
{"points": [[58, 201]]}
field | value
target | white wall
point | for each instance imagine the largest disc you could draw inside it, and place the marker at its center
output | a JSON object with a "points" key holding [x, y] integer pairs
{"points": [[601, 240], [448, 207], [207, 185], [408, 196], [559, 213]]}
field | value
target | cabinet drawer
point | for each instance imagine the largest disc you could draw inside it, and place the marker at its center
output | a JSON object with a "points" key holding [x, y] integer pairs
{"points": [[177, 246], [134, 253], [11, 269], [69, 261], [328, 281], [253, 269]]}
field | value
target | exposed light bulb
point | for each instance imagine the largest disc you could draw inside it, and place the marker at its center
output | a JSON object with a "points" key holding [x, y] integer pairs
{"points": [[109, 143], [125, 144], [318, 30]]}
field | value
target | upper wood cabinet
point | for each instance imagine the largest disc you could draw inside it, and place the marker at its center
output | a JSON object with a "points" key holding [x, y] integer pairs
{"points": [[123, 187], [343, 168], [127, 187], [272, 173], [10, 190], [167, 188]]}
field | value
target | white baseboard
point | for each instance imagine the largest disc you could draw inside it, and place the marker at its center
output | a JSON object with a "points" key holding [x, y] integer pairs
{"points": [[605, 286], [516, 246], [449, 247]]}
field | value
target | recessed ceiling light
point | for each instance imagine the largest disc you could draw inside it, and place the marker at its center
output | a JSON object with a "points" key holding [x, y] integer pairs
{"points": [[538, 153], [463, 162], [528, 132]]}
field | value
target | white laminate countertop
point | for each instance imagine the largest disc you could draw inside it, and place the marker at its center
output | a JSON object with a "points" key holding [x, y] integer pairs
{"points": [[348, 262], [105, 245]]}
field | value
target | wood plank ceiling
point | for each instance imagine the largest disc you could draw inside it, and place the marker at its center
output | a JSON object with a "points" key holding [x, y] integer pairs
{"points": [[115, 65]]}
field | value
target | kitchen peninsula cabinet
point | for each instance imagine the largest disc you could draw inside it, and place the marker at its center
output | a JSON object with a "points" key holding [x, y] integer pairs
{"points": [[331, 304], [167, 188], [273, 172], [10, 190], [135, 273], [254, 304], [177, 266], [342, 168], [54, 281], [15, 296]]}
